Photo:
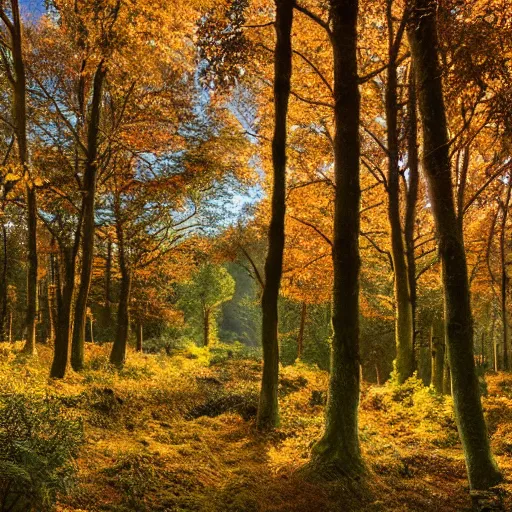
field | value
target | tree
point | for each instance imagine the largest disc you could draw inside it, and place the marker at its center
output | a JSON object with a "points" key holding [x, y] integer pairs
{"points": [[16, 73], [339, 446], [404, 330], [268, 413], [209, 287], [92, 120], [74, 85], [151, 215], [482, 470]]}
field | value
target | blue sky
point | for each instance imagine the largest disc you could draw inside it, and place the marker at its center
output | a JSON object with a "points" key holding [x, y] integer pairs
{"points": [[33, 7]]}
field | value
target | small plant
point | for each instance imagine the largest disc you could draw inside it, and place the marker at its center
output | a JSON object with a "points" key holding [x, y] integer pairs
{"points": [[38, 444], [403, 392]]}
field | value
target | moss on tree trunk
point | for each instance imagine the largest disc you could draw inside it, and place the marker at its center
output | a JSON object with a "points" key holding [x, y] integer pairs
{"points": [[482, 470], [338, 450]]}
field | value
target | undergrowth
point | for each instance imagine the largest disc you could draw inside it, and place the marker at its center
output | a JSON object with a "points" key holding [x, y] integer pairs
{"points": [[177, 433]]}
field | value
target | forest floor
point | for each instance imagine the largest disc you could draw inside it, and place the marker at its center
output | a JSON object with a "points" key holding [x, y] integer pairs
{"points": [[177, 434]]}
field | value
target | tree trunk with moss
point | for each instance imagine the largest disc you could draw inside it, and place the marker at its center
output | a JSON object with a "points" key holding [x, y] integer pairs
{"points": [[268, 411], [338, 450], [482, 470]]}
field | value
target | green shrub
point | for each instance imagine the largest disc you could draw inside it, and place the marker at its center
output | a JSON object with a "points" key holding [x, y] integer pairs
{"points": [[222, 352], [37, 446], [404, 392], [165, 343]]}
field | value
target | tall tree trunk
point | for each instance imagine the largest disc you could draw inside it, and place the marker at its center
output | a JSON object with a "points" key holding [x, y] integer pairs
{"points": [[10, 326], [51, 293], [108, 286], [482, 349], [482, 469], [339, 448], [118, 354], [31, 322], [447, 375], [89, 225], [437, 348], [493, 342], [206, 327], [139, 332], [20, 120], [404, 329], [91, 327], [51, 315], [412, 198], [504, 283], [42, 314], [300, 337], [64, 303], [268, 411], [4, 296]]}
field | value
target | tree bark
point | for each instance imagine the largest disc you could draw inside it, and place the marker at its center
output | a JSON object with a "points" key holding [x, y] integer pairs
{"points": [[118, 353], [140, 336], [377, 374], [108, 286], [10, 326], [52, 313], [404, 329], [493, 342], [482, 470], [206, 327], [438, 359], [504, 283], [482, 349], [20, 121], [447, 375], [89, 225], [412, 199], [4, 296], [91, 327], [64, 306], [339, 448], [268, 411], [300, 337]]}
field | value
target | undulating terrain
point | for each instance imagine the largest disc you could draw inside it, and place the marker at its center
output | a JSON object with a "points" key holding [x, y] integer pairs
{"points": [[177, 433]]}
